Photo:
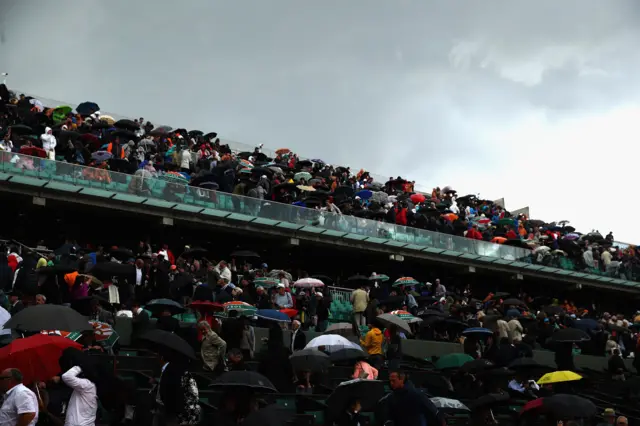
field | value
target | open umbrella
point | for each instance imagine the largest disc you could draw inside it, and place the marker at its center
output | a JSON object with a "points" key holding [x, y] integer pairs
{"points": [[451, 361], [310, 360], [332, 343], [282, 151], [406, 316], [87, 108], [449, 405], [308, 283], [108, 119], [33, 151], [48, 317], [157, 306], [127, 125], [195, 253], [341, 328], [570, 335], [379, 277], [489, 400], [245, 254], [173, 177], [169, 344], [271, 415], [60, 113], [302, 175], [206, 305], [477, 365], [559, 377], [477, 331], [272, 315], [561, 406], [389, 320], [20, 129], [36, 356], [405, 281], [368, 392], [243, 308], [266, 282], [243, 381], [418, 198], [348, 354]]}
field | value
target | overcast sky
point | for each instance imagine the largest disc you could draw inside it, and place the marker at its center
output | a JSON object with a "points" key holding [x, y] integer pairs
{"points": [[533, 101]]}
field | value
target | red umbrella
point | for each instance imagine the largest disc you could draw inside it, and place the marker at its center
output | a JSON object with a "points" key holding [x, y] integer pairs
{"points": [[418, 198], [291, 313], [206, 305], [36, 356], [33, 151]]}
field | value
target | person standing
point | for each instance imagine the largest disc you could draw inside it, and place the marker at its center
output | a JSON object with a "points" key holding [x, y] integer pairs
{"points": [[20, 405], [359, 300], [83, 404]]}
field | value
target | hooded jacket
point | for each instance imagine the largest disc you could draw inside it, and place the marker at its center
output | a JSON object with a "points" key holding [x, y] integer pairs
{"points": [[48, 140], [373, 341]]}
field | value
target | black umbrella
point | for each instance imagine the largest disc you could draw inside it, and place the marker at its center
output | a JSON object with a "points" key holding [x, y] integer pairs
{"points": [[513, 302], [56, 269], [310, 360], [126, 124], [244, 380], [477, 365], [489, 400], [368, 392], [211, 135], [357, 281], [83, 304], [195, 133], [121, 253], [124, 134], [245, 253], [347, 191], [112, 269], [347, 354], [500, 295], [195, 252], [271, 415], [157, 306], [48, 317], [570, 335], [20, 129], [87, 108], [425, 313], [561, 407], [168, 344]]}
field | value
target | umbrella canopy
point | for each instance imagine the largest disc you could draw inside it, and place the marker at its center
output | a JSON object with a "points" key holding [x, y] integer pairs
{"points": [[272, 315], [308, 283], [348, 354], [302, 175], [206, 305], [87, 108], [477, 365], [168, 344], [559, 377], [332, 343], [513, 302], [173, 177], [561, 406], [244, 380], [243, 308], [108, 119], [310, 360], [112, 269], [524, 363], [20, 129], [157, 306], [379, 277], [195, 253], [389, 320], [101, 156], [418, 198], [368, 392], [126, 124], [341, 328], [450, 361], [570, 335], [405, 281], [266, 282], [245, 254], [48, 317], [489, 400], [406, 316], [449, 405], [36, 356], [478, 331]]}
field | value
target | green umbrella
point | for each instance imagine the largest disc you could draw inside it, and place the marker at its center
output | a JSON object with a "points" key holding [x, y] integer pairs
{"points": [[505, 222], [266, 282], [405, 281], [243, 308], [60, 113], [381, 277], [452, 361], [173, 177], [302, 175]]}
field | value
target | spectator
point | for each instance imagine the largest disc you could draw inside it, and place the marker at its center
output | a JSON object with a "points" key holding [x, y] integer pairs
{"points": [[282, 299], [359, 300], [213, 347], [408, 407], [20, 404]]}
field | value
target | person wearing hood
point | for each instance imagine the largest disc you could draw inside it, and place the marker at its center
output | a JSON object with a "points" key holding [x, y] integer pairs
{"points": [[49, 143], [373, 345]]}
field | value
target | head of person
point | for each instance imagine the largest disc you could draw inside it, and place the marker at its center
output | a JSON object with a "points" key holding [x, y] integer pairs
{"points": [[9, 378], [139, 263], [166, 313], [14, 297], [295, 325], [397, 379], [354, 405], [281, 289], [622, 421], [204, 327], [40, 299], [235, 356], [609, 416]]}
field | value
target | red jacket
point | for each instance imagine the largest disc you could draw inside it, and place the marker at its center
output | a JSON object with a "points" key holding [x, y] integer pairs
{"points": [[401, 217]]}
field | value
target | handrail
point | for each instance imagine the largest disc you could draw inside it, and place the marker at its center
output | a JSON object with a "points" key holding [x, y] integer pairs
{"points": [[166, 189]]}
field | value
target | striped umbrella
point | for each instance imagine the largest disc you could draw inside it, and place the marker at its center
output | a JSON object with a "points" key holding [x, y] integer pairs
{"points": [[407, 316], [405, 281], [245, 163], [308, 283], [104, 333], [379, 277], [173, 177], [243, 308], [266, 282]]}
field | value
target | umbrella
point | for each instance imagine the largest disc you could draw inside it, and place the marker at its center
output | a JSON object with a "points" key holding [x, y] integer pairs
{"points": [[109, 119], [272, 315], [489, 400], [195, 133], [48, 317], [173, 177], [559, 377], [104, 333], [112, 269], [310, 360], [306, 188], [266, 282], [210, 135], [585, 324], [418, 198], [389, 320], [324, 278], [33, 151], [157, 306], [36, 356], [301, 175], [206, 305], [20, 129], [331, 343], [406, 316], [196, 252], [561, 406], [246, 164], [127, 125], [348, 354], [168, 343], [478, 331], [271, 415], [513, 302], [56, 269], [365, 194], [274, 273], [405, 281], [308, 283], [282, 151], [243, 308], [60, 113], [342, 328], [379, 277], [449, 405], [570, 335], [477, 365], [291, 313], [121, 253], [368, 392], [245, 253], [244, 380], [87, 108], [357, 280], [452, 361]]}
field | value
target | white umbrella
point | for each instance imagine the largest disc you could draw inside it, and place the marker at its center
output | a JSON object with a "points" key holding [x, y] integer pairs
{"points": [[4, 317], [342, 328], [449, 403], [308, 283], [332, 343], [390, 319], [542, 249]]}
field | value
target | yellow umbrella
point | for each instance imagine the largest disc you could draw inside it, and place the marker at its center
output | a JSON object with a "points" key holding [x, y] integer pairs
{"points": [[306, 188], [559, 377], [109, 119]]}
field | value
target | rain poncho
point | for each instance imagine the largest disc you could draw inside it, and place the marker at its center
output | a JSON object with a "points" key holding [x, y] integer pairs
{"points": [[49, 143]]}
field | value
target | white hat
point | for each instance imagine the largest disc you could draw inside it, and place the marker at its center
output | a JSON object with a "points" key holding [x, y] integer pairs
{"points": [[280, 286], [319, 294]]}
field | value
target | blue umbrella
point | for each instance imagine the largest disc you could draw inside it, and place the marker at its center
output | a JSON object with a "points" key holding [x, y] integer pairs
{"points": [[272, 315], [586, 324], [365, 194], [477, 330]]}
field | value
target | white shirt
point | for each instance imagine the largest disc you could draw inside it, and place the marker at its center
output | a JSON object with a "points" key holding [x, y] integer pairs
{"points": [[138, 276], [83, 404], [18, 400]]}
